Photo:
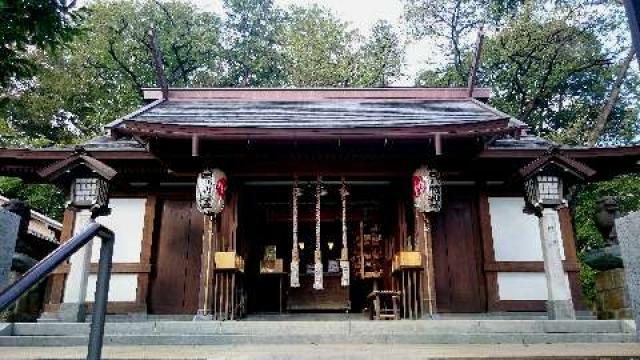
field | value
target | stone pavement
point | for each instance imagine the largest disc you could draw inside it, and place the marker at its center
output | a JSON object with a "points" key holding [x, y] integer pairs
{"points": [[336, 352]]}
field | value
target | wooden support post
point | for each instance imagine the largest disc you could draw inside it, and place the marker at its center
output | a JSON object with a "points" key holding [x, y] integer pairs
{"points": [[206, 270], [195, 145], [426, 246], [437, 140]]}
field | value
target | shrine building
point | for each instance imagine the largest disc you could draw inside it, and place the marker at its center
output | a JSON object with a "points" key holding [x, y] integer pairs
{"points": [[392, 203]]}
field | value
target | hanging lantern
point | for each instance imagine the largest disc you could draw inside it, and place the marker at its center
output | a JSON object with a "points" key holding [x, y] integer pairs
{"points": [[427, 190], [211, 187], [318, 270], [544, 191], [344, 258], [89, 193], [295, 255]]}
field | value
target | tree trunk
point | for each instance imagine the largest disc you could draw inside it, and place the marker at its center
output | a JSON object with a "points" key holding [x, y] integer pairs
{"points": [[158, 63], [601, 121]]}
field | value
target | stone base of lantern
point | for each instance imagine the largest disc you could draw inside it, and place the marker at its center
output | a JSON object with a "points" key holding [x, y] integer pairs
{"points": [[560, 310], [612, 298], [72, 312]]}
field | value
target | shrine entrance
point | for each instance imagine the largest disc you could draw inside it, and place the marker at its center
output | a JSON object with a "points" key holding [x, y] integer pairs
{"points": [[266, 214]]}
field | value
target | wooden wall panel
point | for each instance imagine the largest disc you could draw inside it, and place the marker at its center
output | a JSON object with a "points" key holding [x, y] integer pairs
{"points": [[176, 261], [458, 255], [492, 267]]}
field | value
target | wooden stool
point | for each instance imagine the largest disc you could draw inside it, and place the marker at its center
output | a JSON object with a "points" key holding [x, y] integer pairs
{"points": [[384, 305]]}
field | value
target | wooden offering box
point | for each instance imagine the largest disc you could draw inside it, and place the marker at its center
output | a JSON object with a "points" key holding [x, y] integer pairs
{"points": [[228, 260], [407, 260]]}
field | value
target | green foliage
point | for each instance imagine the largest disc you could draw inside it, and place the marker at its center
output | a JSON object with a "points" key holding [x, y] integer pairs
{"points": [[46, 199], [626, 190], [253, 56], [27, 24], [318, 48], [588, 281], [115, 45], [98, 77], [382, 56]]}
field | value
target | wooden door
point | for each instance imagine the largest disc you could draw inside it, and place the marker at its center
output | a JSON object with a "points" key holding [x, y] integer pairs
{"points": [[457, 251], [176, 260]]}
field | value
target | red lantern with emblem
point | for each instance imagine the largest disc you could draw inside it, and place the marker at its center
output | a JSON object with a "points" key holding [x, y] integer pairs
{"points": [[211, 188], [427, 190]]}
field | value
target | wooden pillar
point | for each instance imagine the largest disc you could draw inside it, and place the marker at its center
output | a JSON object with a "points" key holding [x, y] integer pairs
{"points": [[145, 252], [206, 288], [55, 288], [423, 225]]}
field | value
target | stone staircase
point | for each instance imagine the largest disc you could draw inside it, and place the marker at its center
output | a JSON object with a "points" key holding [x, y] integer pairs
{"points": [[322, 332]]}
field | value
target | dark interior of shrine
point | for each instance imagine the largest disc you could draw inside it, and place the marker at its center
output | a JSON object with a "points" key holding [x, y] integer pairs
{"points": [[265, 213]]}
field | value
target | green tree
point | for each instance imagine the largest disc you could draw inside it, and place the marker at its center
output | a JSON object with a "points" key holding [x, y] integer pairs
{"points": [[252, 54], [116, 42], [318, 48], [27, 24], [382, 56], [44, 198], [99, 76]]}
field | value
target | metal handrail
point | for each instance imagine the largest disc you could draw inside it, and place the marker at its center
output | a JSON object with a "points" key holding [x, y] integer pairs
{"points": [[45, 266]]}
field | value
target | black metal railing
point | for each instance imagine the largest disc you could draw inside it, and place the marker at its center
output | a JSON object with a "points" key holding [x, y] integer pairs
{"points": [[43, 268]]}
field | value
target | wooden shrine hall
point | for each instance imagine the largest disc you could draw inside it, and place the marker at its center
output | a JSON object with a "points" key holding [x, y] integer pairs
{"points": [[392, 202]]}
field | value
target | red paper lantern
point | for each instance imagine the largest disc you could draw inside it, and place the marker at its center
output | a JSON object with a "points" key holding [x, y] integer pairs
{"points": [[427, 190], [211, 188]]}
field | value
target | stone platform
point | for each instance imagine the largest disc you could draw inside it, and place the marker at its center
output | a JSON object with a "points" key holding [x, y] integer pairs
{"points": [[334, 352], [323, 332]]}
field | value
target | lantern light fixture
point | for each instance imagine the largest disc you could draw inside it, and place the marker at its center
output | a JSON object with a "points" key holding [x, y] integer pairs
{"points": [[544, 190], [89, 193], [301, 245], [549, 180]]}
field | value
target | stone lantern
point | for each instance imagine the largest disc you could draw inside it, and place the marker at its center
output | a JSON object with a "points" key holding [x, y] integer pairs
{"points": [[85, 180], [547, 182]]}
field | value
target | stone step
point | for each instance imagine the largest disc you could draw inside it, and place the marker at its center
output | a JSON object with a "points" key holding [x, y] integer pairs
{"points": [[565, 351], [504, 338], [322, 332], [324, 327]]}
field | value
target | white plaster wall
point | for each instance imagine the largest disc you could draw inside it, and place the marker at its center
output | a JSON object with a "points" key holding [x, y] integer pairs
{"points": [[516, 235], [126, 221], [122, 287], [522, 286]]}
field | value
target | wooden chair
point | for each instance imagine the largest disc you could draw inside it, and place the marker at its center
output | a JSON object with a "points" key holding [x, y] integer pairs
{"points": [[384, 305]]}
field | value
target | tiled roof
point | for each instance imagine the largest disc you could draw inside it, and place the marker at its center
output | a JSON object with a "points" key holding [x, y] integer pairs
{"points": [[321, 114]]}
